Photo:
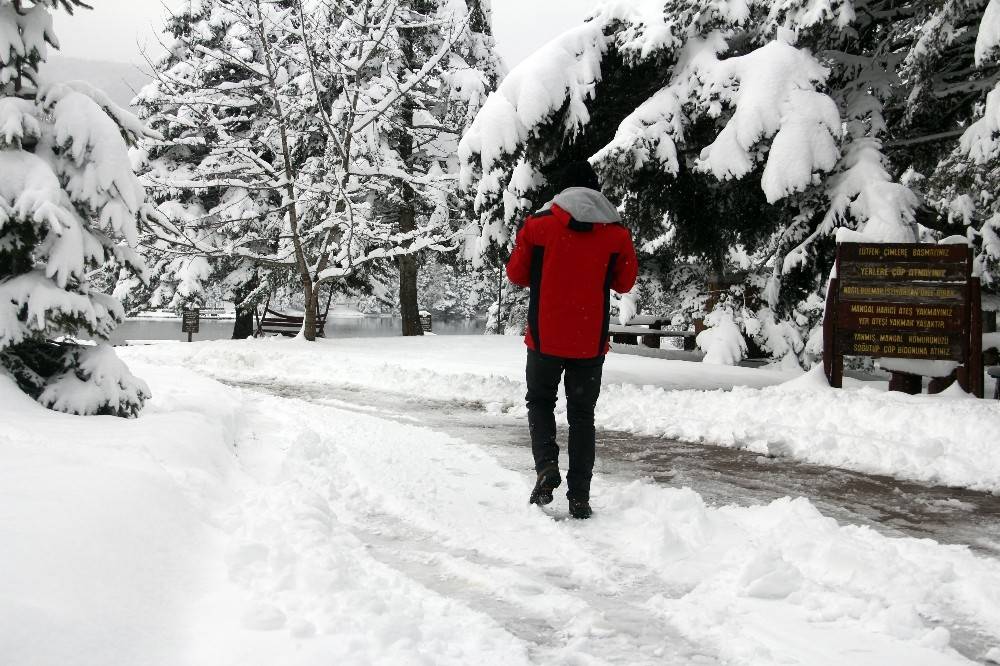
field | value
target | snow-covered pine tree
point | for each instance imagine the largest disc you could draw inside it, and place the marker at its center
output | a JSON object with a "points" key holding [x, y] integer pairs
{"points": [[69, 205], [720, 126], [215, 172]]}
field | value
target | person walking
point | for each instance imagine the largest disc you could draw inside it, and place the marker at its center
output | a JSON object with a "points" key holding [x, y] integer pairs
{"points": [[571, 254]]}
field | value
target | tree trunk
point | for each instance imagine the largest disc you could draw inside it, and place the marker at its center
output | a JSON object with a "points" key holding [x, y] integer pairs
{"points": [[409, 308], [244, 326], [309, 287], [312, 307]]}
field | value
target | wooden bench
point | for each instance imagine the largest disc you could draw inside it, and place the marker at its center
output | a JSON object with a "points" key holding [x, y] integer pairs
{"points": [[288, 325], [648, 329]]}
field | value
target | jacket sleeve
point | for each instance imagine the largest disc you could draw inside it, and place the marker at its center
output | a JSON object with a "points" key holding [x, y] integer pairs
{"points": [[626, 268], [519, 265]]}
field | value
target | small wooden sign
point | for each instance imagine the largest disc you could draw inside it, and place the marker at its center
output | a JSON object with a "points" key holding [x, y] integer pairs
{"points": [[915, 301], [190, 319], [426, 322]]}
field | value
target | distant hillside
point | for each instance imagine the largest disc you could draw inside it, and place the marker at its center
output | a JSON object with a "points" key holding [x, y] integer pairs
{"points": [[119, 80]]}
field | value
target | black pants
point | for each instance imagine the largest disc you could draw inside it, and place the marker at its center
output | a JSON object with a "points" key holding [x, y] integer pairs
{"points": [[582, 387]]}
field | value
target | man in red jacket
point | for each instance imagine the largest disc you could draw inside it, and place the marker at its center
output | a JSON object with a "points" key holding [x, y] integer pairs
{"points": [[571, 254]]}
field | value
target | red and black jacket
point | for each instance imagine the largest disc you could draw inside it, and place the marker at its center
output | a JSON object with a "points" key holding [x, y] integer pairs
{"points": [[571, 266]]}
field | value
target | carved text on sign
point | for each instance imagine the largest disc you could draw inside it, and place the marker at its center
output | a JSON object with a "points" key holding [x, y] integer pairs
{"points": [[905, 292]]}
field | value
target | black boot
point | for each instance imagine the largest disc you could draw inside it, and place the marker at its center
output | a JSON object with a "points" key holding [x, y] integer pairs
{"points": [[548, 480], [580, 509]]}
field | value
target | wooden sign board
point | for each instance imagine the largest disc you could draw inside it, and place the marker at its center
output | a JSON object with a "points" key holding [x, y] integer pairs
{"points": [[426, 323], [915, 301], [190, 320]]}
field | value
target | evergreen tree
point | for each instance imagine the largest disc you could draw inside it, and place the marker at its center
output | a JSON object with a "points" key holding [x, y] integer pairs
{"points": [[69, 205], [216, 172], [721, 127]]}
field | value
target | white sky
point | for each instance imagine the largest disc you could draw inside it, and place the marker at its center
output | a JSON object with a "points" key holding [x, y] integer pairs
{"points": [[117, 29]]}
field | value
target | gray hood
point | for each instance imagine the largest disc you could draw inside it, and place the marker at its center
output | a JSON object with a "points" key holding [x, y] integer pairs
{"points": [[586, 205]]}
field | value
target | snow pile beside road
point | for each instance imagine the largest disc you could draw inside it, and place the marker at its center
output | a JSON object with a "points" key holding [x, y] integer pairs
{"points": [[104, 547], [781, 580], [146, 542], [945, 439], [948, 439]]}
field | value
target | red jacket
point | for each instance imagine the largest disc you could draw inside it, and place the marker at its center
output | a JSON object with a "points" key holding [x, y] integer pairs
{"points": [[571, 266]]}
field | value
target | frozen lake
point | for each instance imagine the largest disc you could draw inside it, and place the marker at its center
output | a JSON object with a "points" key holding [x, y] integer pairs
{"points": [[339, 327]]}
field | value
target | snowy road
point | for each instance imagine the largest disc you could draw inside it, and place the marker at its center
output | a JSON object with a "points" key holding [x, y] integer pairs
{"points": [[407, 514], [309, 510], [721, 475], [624, 633], [304, 523]]}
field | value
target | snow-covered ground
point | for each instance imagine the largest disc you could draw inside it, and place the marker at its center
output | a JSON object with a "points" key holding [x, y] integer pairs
{"points": [[226, 526], [948, 439]]}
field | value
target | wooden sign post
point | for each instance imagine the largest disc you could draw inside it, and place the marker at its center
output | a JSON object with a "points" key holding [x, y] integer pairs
{"points": [[915, 301], [189, 322]]}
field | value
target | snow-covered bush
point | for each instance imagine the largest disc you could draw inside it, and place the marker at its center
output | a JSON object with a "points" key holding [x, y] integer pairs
{"points": [[69, 204], [722, 341]]}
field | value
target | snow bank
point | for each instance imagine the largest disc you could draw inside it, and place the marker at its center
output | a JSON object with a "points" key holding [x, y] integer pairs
{"points": [[149, 542], [783, 584], [935, 439], [106, 553], [861, 428]]}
